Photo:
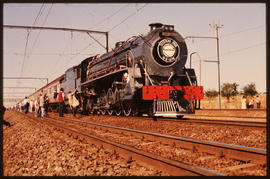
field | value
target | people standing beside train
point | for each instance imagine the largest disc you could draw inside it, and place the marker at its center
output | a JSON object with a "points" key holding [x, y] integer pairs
{"points": [[46, 105], [41, 104], [31, 106], [37, 108], [55, 94], [61, 98], [26, 104], [244, 106], [247, 103], [73, 101], [258, 102], [85, 96], [18, 107], [251, 103]]}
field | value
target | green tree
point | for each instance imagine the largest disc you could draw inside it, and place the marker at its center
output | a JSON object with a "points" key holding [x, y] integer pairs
{"points": [[211, 93], [250, 89], [229, 89]]}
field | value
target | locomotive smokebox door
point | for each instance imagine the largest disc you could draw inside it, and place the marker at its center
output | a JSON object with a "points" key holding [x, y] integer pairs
{"points": [[176, 94]]}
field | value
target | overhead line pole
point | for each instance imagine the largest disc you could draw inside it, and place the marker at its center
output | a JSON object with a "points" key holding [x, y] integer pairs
{"points": [[62, 29], [216, 26]]}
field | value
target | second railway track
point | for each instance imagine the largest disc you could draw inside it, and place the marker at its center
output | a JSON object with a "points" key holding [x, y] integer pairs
{"points": [[206, 120], [239, 123], [169, 147]]}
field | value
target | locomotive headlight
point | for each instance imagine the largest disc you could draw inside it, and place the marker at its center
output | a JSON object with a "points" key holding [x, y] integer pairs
{"points": [[167, 50]]}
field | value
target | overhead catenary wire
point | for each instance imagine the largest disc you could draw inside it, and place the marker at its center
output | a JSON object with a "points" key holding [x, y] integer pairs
{"points": [[110, 16], [118, 24], [27, 38], [28, 33], [137, 10], [134, 13], [24, 56], [74, 55], [40, 31], [238, 50], [39, 14], [233, 33]]}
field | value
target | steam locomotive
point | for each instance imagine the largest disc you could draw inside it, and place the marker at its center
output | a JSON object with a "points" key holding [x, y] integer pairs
{"points": [[143, 74]]}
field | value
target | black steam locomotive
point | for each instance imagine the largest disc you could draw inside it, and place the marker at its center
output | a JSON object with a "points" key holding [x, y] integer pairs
{"points": [[144, 74]]}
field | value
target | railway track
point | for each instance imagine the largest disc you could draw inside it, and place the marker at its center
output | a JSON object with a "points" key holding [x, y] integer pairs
{"points": [[131, 154], [239, 123], [226, 116], [233, 113], [129, 142], [210, 121]]}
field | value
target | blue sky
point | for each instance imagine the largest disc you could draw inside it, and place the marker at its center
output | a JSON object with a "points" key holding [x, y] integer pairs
{"points": [[50, 53]]}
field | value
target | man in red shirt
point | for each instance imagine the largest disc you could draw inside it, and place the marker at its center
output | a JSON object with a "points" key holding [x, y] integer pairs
{"points": [[61, 102]]}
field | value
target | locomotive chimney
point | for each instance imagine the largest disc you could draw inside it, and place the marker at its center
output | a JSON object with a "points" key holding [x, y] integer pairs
{"points": [[155, 25]]}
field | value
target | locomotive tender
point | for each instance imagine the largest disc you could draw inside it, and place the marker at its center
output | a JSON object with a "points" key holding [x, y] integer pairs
{"points": [[144, 74]]}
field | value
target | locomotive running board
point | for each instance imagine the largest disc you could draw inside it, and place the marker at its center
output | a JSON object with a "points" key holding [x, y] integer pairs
{"points": [[167, 108]]}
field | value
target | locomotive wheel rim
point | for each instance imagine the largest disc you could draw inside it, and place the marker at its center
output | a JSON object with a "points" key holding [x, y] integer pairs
{"points": [[103, 97], [110, 96], [116, 95], [110, 111], [127, 111], [102, 111], [117, 112]]}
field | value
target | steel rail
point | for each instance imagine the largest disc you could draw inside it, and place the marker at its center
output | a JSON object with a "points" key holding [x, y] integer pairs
{"points": [[250, 117], [237, 152], [240, 123], [130, 153], [246, 110]]}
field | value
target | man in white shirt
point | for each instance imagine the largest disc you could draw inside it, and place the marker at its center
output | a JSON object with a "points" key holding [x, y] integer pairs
{"points": [[26, 103], [73, 101]]}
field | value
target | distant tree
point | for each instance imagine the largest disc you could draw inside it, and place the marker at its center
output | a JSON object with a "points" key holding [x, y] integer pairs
{"points": [[250, 89], [211, 93], [229, 89]]}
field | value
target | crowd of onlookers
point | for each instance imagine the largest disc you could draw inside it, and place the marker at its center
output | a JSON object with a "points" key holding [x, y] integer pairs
{"points": [[39, 105], [249, 103]]}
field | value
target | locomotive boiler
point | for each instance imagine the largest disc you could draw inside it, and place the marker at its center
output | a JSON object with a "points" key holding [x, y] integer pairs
{"points": [[144, 74]]}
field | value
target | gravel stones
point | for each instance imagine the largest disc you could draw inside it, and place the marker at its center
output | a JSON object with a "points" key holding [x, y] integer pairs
{"points": [[33, 149], [249, 137]]}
